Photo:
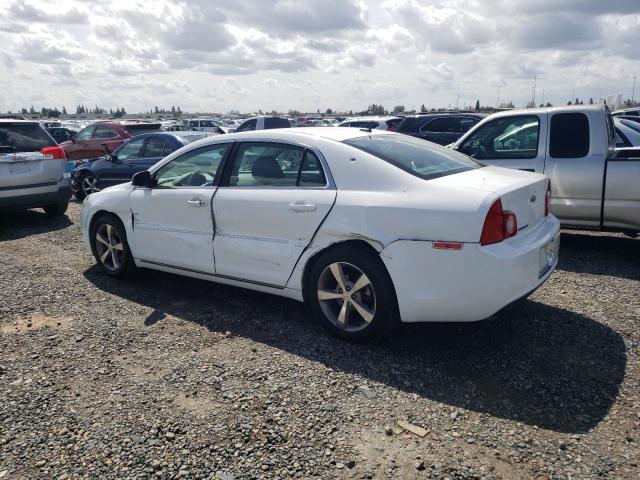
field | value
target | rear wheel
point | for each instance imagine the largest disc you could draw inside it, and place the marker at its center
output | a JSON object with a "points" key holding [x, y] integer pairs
{"points": [[55, 210], [110, 248], [352, 294]]}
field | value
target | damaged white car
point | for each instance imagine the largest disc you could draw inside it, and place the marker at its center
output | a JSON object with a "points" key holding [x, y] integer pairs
{"points": [[368, 227]]}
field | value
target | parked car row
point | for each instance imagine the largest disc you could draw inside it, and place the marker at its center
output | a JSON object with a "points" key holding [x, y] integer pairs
{"points": [[282, 211]]}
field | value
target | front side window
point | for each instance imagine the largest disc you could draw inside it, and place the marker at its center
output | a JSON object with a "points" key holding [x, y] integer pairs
{"points": [[104, 131], [196, 168], [131, 150], [206, 124], [155, 147], [422, 159], [275, 165], [85, 133], [248, 125], [504, 138], [569, 135]]}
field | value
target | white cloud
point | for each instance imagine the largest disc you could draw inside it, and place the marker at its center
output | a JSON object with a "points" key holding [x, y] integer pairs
{"points": [[309, 54]]}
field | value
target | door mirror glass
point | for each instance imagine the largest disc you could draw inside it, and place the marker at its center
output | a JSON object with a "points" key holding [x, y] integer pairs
{"points": [[142, 179]]}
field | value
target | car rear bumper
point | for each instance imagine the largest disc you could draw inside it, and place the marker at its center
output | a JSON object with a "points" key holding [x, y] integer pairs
{"points": [[37, 196], [474, 283]]}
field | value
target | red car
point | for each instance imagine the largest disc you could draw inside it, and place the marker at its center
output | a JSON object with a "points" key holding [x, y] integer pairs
{"points": [[103, 137]]}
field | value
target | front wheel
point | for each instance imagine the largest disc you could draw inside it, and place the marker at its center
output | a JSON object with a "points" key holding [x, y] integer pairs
{"points": [[110, 248], [352, 294], [85, 185]]}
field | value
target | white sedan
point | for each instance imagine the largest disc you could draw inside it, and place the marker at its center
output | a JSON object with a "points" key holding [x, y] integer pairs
{"points": [[368, 227]]}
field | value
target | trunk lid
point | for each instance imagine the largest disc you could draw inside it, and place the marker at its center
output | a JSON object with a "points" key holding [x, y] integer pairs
{"points": [[29, 168], [522, 193]]}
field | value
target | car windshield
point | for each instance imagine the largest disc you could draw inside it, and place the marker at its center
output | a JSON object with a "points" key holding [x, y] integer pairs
{"points": [[418, 157], [24, 137]]}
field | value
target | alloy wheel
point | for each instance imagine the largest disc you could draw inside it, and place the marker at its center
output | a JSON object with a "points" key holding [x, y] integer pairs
{"points": [[109, 247], [346, 296], [89, 185]]}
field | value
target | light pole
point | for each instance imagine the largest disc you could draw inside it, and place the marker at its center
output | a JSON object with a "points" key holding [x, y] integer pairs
{"points": [[633, 92]]}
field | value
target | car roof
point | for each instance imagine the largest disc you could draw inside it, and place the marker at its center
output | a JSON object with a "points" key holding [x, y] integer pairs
{"points": [[25, 122], [372, 118], [300, 134], [446, 114]]}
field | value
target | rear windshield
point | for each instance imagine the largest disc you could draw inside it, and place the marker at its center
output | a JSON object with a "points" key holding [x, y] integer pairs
{"points": [[140, 128], [422, 159], [23, 137], [276, 122]]}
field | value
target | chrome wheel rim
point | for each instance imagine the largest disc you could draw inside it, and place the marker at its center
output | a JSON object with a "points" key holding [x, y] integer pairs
{"points": [[109, 247], [89, 185], [346, 297]]}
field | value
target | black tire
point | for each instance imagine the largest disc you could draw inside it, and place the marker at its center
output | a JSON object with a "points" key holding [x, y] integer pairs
{"points": [[55, 210], [122, 264], [76, 187], [353, 262]]}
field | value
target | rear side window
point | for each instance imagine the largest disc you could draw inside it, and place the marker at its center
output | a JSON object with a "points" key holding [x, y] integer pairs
{"points": [[275, 165], [420, 158], [466, 123], [276, 123], [23, 137], [569, 135], [104, 131], [409, 124], [442, 125], [154, 148]]}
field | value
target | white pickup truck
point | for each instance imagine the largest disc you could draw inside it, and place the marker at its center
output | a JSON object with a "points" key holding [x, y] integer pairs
{"points": [[594, 186]]}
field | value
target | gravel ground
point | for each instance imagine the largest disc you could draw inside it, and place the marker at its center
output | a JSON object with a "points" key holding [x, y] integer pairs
{"points": [[160, 376]]}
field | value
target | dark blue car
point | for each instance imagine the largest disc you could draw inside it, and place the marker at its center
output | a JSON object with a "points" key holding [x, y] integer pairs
{"points": [[133, 156]]}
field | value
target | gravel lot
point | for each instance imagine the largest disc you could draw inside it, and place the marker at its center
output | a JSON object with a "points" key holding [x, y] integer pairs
{"points": [[161, 376]]}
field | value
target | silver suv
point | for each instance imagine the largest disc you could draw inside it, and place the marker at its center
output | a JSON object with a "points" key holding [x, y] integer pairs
{"points": [[33, 168]]}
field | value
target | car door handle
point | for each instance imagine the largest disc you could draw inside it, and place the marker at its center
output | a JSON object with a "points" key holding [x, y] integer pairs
{"points": [[194, 202], [302, 207]]}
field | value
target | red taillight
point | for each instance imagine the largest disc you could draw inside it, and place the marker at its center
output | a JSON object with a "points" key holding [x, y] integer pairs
{"points": [[547, 199], [499, 225], [54, 153]]}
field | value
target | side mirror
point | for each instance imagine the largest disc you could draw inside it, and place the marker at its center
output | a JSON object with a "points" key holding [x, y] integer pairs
{"points": [[73, 139], [112, 157], [142, 179], [106, 147]]}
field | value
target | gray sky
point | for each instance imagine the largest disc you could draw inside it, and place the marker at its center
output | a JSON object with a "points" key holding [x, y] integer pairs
{"points": [[217, 55]]}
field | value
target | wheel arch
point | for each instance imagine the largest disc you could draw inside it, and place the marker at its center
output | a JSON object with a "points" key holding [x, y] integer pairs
{"points": [[369, 246], [97, 214]]}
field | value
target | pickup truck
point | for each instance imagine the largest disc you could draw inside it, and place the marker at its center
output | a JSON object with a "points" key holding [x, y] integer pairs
{"points": [[594, 186]]}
